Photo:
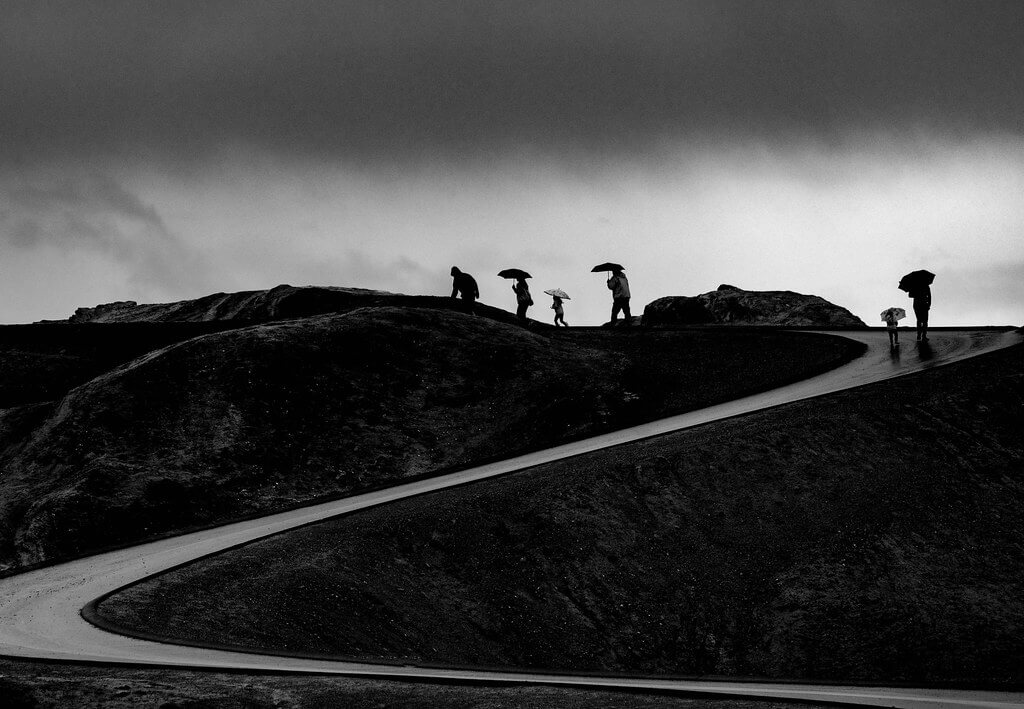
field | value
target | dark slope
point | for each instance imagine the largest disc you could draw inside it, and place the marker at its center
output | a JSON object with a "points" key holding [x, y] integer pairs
{"points": [[283, 302], [43, 362], [875, 534], [261, 418]]}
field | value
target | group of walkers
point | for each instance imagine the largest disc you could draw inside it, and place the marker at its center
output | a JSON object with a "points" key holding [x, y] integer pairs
{"points": [[464, 286]]}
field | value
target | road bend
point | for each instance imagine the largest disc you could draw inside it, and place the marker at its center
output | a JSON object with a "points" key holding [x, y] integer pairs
{"points": [[41, 610]]}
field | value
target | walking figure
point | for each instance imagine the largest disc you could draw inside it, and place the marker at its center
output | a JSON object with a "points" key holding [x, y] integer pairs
{"points": [[922, 304], [619, 286], [917, 285], [559, 312], [557, 296], [890, 317], [523, 299], [465, 285]]}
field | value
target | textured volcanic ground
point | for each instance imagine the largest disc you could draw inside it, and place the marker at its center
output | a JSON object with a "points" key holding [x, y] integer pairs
{"points": [[875, 534], [112, 433]]}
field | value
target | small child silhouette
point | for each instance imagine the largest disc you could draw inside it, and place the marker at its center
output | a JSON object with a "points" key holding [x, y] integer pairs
{"points": [[559, 311], [890, 317]]}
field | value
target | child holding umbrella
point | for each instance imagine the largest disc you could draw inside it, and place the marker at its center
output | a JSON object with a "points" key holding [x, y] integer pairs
{"points": [[558, 295], [890, 317]]}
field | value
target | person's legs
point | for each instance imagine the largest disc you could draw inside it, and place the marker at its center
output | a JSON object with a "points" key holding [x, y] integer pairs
{"points": [[922, 322], [616, 307], [467, 305], [521, 311], [625, 309]]}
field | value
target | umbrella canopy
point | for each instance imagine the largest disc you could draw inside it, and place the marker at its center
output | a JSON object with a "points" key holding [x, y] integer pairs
{"points": [[897, 313], [916, 279], [514, 273], [607, 266], [558, 293]]}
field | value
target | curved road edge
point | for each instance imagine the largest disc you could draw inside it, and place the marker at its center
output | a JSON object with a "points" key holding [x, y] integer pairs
{"points": [[40, 610]]}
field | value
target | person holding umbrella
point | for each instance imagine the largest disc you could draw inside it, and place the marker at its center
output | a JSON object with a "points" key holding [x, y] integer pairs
{"points": [[523, 299], [521, 289], [922, 304], [890, 316], [558, 295], [917, 284], [619, 286]]}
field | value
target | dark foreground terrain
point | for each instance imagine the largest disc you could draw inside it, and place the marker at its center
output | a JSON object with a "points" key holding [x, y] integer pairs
{"points": [[25, 685], [113, 433], [875, 534]]}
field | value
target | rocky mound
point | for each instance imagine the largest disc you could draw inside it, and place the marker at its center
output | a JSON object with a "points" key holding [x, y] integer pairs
{"points": [[729, 305], [279, 303]]}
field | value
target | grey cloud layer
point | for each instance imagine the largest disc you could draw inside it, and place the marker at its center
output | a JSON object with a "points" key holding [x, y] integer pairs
{"points": [[98, 193], [94, 213], [400, 80]]}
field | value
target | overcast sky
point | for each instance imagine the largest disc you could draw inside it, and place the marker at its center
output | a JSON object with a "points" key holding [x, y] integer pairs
{"points": [[155, 151]]}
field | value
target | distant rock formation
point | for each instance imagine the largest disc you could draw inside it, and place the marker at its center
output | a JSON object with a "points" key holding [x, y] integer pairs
{"points": [[729, 305], [278, 303]]}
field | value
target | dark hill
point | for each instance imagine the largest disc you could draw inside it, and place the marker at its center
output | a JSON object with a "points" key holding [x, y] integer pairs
{"points": [[875, 534], [729, 305], [261, 417], [282, 302], [258, 418]]}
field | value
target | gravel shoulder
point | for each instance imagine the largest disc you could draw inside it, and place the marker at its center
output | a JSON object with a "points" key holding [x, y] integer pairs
{"points": [[26, 685]]}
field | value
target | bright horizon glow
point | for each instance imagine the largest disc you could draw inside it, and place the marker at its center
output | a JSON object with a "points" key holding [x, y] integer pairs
{"points": [[164, 151], [842, 224]]}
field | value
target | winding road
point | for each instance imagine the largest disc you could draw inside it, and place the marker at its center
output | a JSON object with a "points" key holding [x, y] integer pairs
{"points": [[41, 611]]}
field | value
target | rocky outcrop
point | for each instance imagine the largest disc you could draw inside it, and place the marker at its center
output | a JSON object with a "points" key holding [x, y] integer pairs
{"points": [[278, 303], [729, 305], [283, 302]]}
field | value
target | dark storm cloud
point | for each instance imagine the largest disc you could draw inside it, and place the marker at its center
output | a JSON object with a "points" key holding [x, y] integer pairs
{"points": [[412, 80]]}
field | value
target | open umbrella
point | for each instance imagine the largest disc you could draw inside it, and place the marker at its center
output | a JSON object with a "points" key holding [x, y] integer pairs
{"points": [[558, 293], [514, 273], [915, 280], [608, 266], [898, 313]]}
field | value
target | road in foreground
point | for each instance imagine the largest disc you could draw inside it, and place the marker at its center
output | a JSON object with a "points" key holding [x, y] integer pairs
{"points": [[41, 611]]}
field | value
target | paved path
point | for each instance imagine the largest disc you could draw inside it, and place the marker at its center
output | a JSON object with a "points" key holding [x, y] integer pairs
{"points": [[40, 611]]}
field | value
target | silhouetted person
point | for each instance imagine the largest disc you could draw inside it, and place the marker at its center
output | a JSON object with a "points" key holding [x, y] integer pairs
{"points": [[619, 287], [464, 285], [523, 299], [559, 311], [890, 327], [922, 304]]}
